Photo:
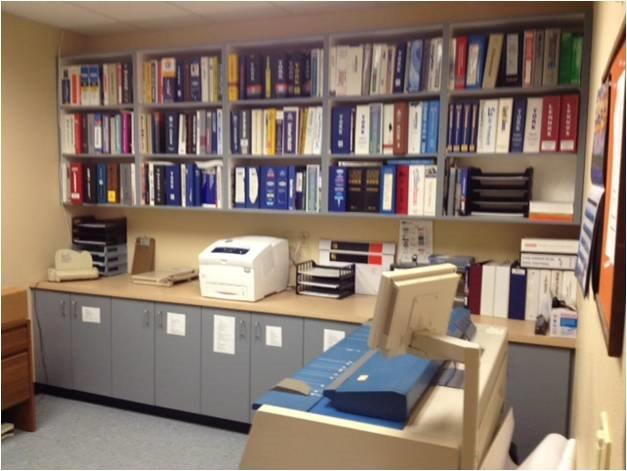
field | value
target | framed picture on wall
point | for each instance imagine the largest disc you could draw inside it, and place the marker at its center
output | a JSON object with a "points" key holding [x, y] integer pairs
{"points": [[610, 297]]}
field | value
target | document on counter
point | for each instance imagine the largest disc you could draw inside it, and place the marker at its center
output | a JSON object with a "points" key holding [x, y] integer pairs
{"points": [[415, 241], [331, 337], [224, 334], [274, 336], [90, 314], [175, 324]]}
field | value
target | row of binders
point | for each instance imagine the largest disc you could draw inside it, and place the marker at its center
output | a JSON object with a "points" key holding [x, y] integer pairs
{"points": [[473, 192], [278, 187], [184, 133], [381, 68], [391, 129], [525, 289], [101, 183], [272, 131], [520, 124], [530, 58], [97, 84], [189, 184], [106, 133], [277, 75], [394, 187], [177, 79]]}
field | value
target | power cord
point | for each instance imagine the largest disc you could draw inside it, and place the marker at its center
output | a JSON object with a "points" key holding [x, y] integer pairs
{"points": [[40, 338]]}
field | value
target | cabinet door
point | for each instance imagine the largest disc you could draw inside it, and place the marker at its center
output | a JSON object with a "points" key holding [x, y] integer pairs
{"points": [[277, 351], [322, 335], [226, 364], [91, 344], [133, 350], [538, 388], [53, 338], [177, 357]]}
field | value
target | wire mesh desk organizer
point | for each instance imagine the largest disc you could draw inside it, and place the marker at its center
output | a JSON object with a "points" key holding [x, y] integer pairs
{"points": [[326, 281]]}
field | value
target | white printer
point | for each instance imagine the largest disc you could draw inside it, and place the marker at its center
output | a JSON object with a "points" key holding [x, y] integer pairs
{"points": [[244, 268]]}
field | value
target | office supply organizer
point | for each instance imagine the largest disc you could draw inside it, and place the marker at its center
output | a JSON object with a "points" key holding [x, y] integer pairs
{"points": [[325, 280], [105, 240]]}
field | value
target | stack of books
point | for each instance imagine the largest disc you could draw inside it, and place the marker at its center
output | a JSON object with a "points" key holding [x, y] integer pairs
{"points": [[97, 84], [391, 129], [530, 58], [174, 79], [98, 183], [270, 131], [472, 192], [184, 133], [520, 124], [276, 75], [524, 289], [186, 185], [382, 68], [405, 186], [277, 187], [551, 211], [105, 133]]}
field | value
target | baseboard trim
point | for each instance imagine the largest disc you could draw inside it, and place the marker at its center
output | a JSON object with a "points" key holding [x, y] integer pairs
{"points": [[143, 408]]}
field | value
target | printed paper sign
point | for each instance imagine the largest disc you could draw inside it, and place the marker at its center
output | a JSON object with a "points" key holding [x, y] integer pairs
{"points": [[175, 324], [274, 336], [224, 334], [90, 314], [331, 337]]}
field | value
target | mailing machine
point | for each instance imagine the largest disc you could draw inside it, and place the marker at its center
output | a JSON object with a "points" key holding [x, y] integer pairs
{"points": [[244, 268]]}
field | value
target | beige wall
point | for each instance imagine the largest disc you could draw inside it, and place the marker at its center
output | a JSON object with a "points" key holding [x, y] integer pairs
{"points": [[34, 224], [599, 383], [33, 221]]}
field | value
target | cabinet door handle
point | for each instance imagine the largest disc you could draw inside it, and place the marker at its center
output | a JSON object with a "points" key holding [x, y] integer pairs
{"points": [[161, 319], [257, 330], [75, 309], [147, 317], [242, 329], [62, 303]]}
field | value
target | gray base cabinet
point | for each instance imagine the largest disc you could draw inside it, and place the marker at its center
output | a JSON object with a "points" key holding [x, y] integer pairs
{"points": [[91, 344], [53, 342], [277, 351], [226, 364], [538, 389], [133, 350], [322, 335], [177, 357]]}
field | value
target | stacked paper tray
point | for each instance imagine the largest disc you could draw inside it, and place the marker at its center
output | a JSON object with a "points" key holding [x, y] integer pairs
{"points": [[325, 281]]}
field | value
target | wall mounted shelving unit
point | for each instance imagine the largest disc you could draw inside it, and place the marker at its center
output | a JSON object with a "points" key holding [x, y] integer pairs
{"points": [[564, 171]]}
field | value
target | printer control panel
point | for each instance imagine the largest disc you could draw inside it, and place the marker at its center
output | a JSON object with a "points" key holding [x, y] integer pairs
{"points": [[231, 250]]}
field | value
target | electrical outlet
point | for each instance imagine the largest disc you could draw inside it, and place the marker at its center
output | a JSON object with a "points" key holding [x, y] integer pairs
{"points": [[603, 443]]}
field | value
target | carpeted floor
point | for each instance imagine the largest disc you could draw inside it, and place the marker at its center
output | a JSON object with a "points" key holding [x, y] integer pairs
{"points": [[75, 435]]}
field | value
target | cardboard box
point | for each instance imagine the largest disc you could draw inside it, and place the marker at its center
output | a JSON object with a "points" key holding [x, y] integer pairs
{"points": [[14, 304]]}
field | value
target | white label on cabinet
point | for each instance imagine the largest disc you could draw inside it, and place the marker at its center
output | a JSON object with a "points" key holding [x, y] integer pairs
{"points": [[224, 334], [331, 337], [175, 324], [274, 336], [90, 314]]}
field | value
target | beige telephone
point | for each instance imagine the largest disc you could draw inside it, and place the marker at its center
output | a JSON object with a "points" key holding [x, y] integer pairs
{"points": [[72, 265]]}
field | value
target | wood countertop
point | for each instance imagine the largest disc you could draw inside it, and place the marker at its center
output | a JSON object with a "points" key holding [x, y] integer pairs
{"points": [[355, 309]]}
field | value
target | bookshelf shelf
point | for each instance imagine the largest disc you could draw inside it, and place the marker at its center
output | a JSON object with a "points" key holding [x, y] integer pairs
{"points": [[571, 165], [381, 156], [123, 107], [182, 156], [513, 155], [289, 101], [275, 157], [182, 105], [425, 95], [99, 156], [513, 91]]}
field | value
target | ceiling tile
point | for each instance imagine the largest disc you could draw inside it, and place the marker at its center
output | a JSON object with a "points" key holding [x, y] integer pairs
{"points": [[59, 14], [316, 7], [173, 22], [220, 12], [131, 12]]}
